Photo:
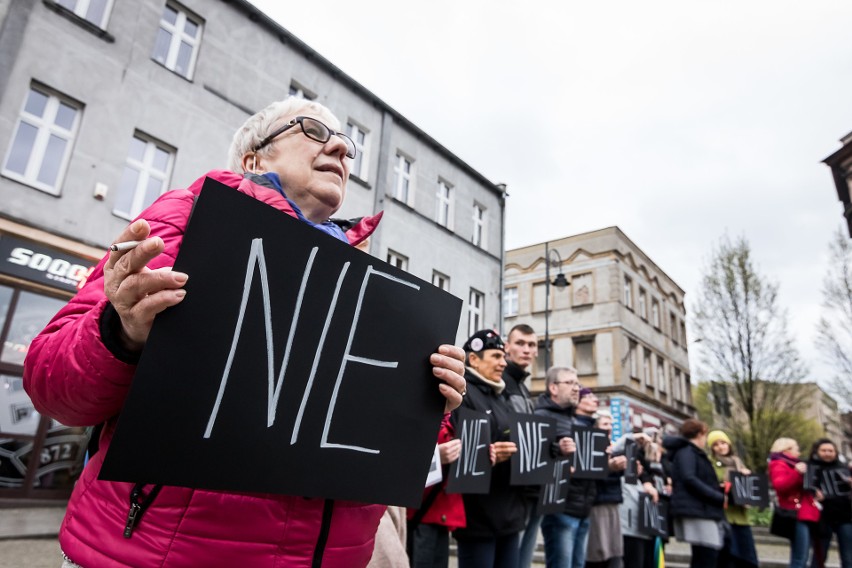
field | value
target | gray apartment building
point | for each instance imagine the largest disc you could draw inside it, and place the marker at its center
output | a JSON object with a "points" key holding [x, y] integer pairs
{"points": [[620, 321], [106, 104]]}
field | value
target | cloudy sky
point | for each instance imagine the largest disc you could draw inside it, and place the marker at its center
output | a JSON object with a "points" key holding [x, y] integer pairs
{"points": [[678, 121]]}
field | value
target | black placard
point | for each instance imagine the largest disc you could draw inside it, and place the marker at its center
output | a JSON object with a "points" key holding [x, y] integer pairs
{"points": [[751, 490], [810, 481], [834, 482], [296, 365], [631, 452], [590, 458], [653, 517], [551, 498], [532, 463], [471, 473]]}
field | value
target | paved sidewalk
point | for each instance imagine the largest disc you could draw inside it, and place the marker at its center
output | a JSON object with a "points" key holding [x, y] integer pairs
{"points": [[28, 537]]}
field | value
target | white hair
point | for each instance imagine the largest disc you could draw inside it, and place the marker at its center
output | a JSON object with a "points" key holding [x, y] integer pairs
{"points": [[259, 125]]}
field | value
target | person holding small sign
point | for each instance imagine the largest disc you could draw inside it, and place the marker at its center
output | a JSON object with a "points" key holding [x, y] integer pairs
{"points": [[739, 551], [292, 157], [697, 500], [832, 479], [566, 533], [495, 520], [787, 475]]}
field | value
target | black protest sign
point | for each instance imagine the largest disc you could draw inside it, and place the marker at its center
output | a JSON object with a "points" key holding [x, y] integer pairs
{"points": [[471, 473], [590, 458], [810, 481], [653, 516], [631, 452], [551, 497], [533, 435], [295, 365], [834, 482], [752, 489]]}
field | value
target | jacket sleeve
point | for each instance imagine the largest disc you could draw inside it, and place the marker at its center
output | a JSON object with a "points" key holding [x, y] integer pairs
{"points": [[785, 479], [69, 373], [687, 465]]}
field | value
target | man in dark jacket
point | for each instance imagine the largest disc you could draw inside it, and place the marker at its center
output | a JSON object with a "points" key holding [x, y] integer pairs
{"points": [[566, 533], [521, 351]]}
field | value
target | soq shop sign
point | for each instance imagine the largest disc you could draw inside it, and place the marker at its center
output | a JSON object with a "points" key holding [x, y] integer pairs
{"points": [[38, 263]]}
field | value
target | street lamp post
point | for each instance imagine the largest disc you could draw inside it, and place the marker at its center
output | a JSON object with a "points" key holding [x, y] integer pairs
{"points": [[560, 282]]}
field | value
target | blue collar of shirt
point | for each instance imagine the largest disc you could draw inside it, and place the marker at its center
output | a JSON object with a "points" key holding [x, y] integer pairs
{"points": [[326, 226]]}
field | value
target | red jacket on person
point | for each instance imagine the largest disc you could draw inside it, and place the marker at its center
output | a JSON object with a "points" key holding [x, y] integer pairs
{"points": [[787, 482], [448, 508], [71, 375]]}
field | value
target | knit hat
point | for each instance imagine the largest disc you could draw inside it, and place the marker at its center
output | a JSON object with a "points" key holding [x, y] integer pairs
{"points": [[717, 436], [584, 392], [482, 340]]}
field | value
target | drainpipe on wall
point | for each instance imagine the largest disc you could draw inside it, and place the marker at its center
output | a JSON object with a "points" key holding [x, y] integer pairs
{"points": [[503, 195]]}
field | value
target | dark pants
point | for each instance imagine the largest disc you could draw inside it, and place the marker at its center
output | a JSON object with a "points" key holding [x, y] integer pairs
{"points": [[498, 552], [640, 551], [703, 557], [428, 546]]}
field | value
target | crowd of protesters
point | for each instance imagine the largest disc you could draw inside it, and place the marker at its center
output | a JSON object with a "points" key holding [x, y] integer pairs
{"points": [[689, 472]]}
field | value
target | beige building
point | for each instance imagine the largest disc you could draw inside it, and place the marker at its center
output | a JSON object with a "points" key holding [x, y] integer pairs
{"points": [[620, 323]]}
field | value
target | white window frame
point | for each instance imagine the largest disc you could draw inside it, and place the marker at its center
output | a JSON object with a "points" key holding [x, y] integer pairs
{"points": [[177, 36], [444, 204], [441, 280], [46, 128], [643, 304], [146, 172], [590, 342], [655, 313], [646, 367], [633, 350], [398, 260], [479, 224], [510, 301], [674, 329], [403, 188], [476, 311], [354, 130], [81, 8], [662, 382], [628, 292]]}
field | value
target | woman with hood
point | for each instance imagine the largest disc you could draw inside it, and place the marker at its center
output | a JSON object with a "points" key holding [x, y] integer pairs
{"points": [[836, 518], [739, 551], [697, 503], [787, 475]]}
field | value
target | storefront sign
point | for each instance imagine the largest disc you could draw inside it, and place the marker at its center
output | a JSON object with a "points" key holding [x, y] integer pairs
{"points": [[35, 262]]}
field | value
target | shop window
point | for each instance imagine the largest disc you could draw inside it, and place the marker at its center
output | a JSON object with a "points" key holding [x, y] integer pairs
{"points": [[32, 312]]}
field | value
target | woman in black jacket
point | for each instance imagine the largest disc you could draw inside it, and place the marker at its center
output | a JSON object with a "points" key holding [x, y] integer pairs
{"points": [[832, 483], [495, 520], [697, 502]]}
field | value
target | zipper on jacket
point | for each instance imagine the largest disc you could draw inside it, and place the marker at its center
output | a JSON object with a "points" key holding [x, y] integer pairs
{"points": [[325, 527], [137, 507]]}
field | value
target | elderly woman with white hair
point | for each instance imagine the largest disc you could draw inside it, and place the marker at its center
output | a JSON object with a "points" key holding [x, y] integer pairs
{"points": [[80, 368]]}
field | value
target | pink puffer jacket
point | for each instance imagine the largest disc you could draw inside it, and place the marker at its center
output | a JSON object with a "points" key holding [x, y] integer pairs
{"points": [[71, 376]]}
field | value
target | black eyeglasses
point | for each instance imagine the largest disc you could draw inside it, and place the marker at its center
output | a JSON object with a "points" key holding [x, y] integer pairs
{"points": [[572, 383], [313, 129]]}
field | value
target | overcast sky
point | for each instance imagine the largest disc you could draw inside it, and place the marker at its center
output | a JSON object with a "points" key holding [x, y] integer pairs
{"points": [[678, 121]]}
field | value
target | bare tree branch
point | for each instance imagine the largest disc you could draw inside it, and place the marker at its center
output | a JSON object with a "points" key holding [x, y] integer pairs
{"points": [[834, 330], [745, 344]]}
